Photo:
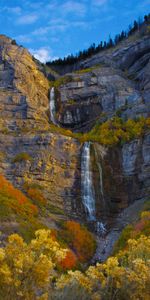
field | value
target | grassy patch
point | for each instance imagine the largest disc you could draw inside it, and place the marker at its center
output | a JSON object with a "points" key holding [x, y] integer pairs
{"points": [[88, 70], [54, 210], [61, 81]]}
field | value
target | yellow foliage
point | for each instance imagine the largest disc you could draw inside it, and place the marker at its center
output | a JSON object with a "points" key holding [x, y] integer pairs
{"points": [[26, 269], [126, 276]]}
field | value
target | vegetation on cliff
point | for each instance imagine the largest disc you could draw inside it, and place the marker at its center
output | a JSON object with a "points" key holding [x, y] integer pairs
{"points": [[116, 131], [111, 132], [17, 208], [76, 236]]}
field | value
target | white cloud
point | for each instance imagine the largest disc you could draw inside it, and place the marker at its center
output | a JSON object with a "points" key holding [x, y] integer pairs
{"points": [[27, 19], [41, 31], [43, 54], [74, 7], [23, 38]]}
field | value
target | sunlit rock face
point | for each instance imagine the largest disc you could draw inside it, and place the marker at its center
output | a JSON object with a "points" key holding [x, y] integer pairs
{"points": [[24, 128], [24, 91]]}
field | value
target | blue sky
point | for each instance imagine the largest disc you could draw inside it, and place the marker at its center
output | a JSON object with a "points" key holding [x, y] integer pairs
{"points": [[56, 28]]}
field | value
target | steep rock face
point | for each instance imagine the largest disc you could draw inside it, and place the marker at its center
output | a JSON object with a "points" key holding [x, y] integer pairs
{"points": [[53, 165], [25, 128], [23, 89], [98, 93], [120, 174], [124, 176], [115, 80]]}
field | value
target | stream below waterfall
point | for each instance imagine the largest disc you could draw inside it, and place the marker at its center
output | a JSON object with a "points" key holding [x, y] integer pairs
{"points": [[105, 244]]}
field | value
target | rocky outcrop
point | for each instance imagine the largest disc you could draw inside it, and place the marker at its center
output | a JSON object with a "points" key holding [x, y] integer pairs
{"points": [[101, 92], [113, 81], [53, 165], [25, 128], [23, 89], [120, 176]]}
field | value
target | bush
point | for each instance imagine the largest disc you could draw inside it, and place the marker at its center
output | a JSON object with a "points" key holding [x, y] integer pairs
{"points": [[15, 201], [22, 157], [16, 207], [123, 239], [69, 262], [116, 131], [125, 276], [27, 270], [37, 196], [76, 237]]}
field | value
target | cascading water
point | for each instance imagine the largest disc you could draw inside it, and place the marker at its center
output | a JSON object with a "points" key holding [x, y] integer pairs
{"points": [[88, 194], [52, 105], [100, 228], [86, 183], [100, 176]]}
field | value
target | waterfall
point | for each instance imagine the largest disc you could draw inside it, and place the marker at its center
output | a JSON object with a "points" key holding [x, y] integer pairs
{"points": [[100, 227], [88, 197], [87, 188], [52, 106], [100, 176]]}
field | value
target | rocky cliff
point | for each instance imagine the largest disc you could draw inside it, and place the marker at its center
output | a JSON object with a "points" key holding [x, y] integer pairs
{"points": [[110, 83], [25, 128], [117, 80]]}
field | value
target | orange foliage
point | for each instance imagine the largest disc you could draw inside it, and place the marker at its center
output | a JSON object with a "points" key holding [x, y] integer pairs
{"points": [[79, 239], [36, 195], [69, 262], [16, 200], [54, 234], [139, 226]]}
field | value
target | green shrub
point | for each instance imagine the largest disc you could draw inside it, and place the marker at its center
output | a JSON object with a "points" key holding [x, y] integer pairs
{"points": [[124, 237], [22, 157]]}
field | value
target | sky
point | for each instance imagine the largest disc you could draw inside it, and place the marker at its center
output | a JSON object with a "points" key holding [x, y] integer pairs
{"points": [[57, 28]]}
